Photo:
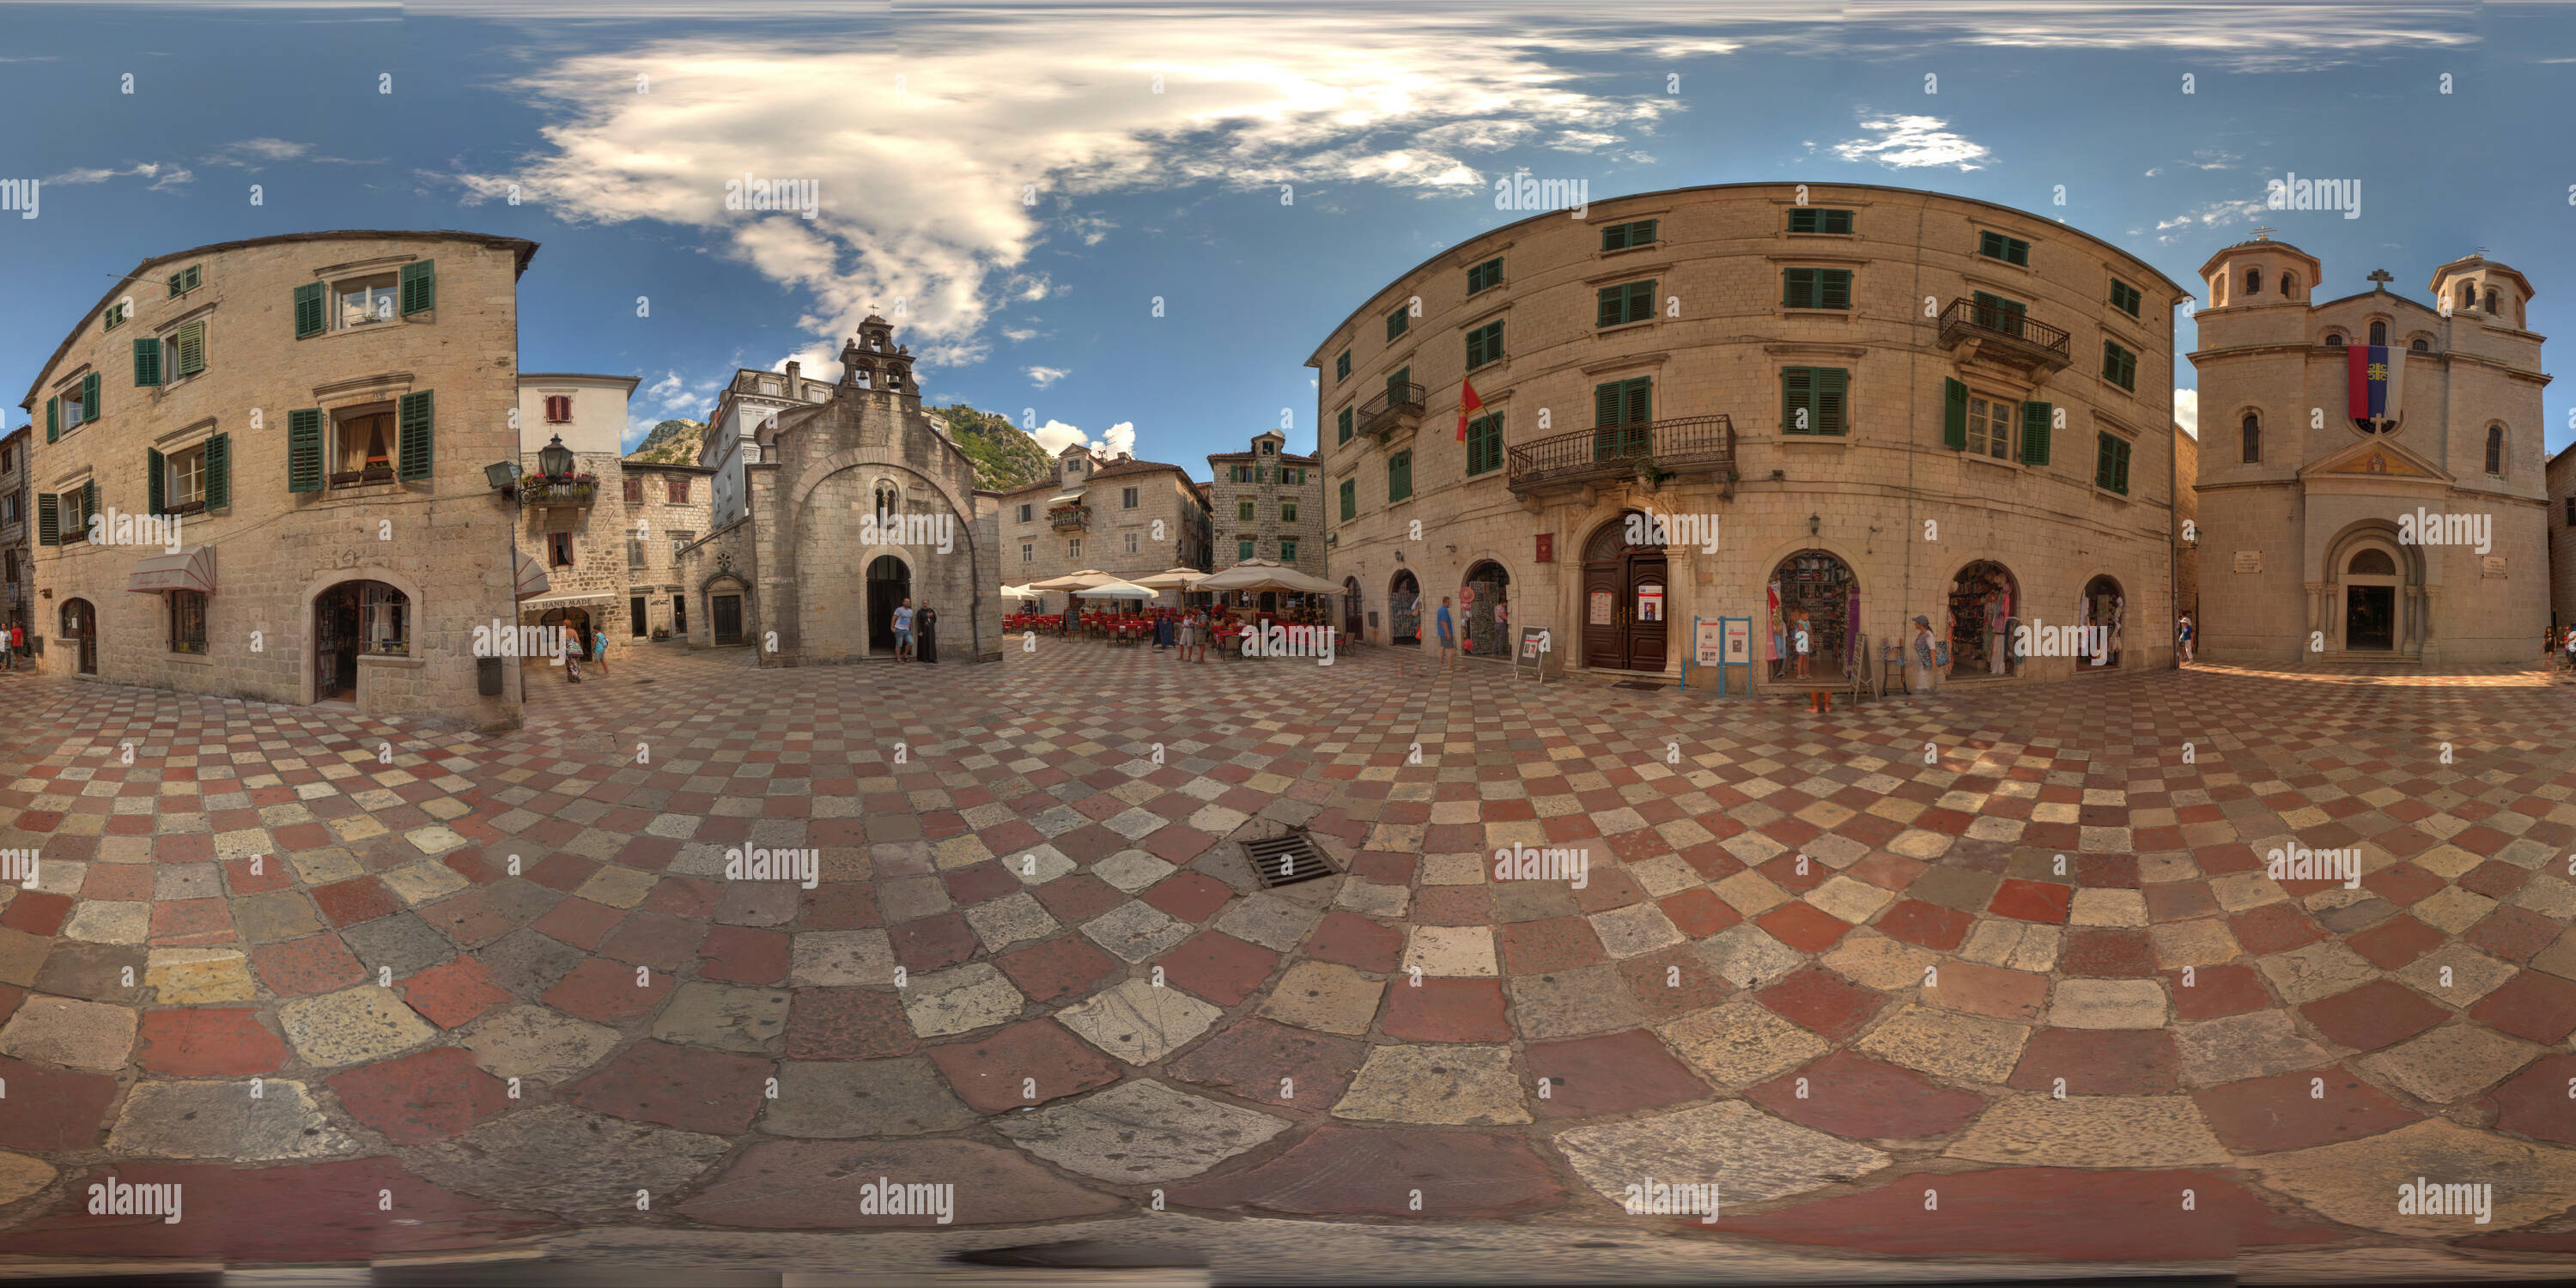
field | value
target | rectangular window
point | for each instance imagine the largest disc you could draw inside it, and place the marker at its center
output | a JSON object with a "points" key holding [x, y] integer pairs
{"points": [[634, 489], [1484, 445], [9, 516], [1620, 305], [1813, 400], [184, 484], [1399, 475], [1270, 449], [1814, 219], [1296, 475], [558, 409], [2111, 464], [559, 549], [188, 621], [1243, 512], [1288, 552], [116, 315], [1025, 511], [1127, 498], [1028, 552], [364, 301], [1073, 549], [362, 448], [1485, 276], [186, 280], [634, 552], [384, 621], [2125, 297], [2571, 511], [1815, 288], [680, 539], [1344, 423], [1342, 366], [2119, 366], [1628, 236], [1990, 428], [2011, 250], [1350, 499], [1287, 512], [1484, 345], [186, 349], [679, 490], [1242, 551], [1396, 322], [1131, 543]]}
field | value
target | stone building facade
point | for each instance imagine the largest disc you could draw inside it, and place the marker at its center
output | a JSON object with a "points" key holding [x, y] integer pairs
{"points": [[1271, 498], [1871, 403], [848, 507], [2187, 523], [17, 527], [576, 528], [749, 403], [314, 411], [675, 505], [2312, 519], [1119, 515]]}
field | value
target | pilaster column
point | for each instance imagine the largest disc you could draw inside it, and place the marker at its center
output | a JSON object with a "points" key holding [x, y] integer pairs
{"points": [[2316, 613], [2432, 613]]}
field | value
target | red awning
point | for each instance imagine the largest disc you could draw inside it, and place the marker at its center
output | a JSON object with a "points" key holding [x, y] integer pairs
{"points": [[532, 577], [189, 569]]}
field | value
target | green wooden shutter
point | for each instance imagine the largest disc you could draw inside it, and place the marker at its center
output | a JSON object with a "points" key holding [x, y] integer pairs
{"points": [[419, 287], [1345, 422], [2035, 418], [1833, 288], [415, 421], [1798, 288], [1832, 401], [219, 471], [49, 520], [1797, 394], [1637, 401], [308, 310], [188, 345], [1605, 404], [153, 462], [147, 361], [1608, 299], [89, 501], [2101, 459], [53, 418], [2120, 466], [89, 398], [1350, 497], [304, 450], [1954, 415]]}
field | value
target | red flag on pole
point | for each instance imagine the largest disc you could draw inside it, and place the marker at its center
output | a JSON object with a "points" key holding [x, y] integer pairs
{"points": [[1468, 404]]}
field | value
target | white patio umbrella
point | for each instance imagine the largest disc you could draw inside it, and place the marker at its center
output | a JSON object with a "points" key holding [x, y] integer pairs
{"points": [[1018, 592], [1263, 574], [1083, 580], [1174, 579], [1115, 590]]}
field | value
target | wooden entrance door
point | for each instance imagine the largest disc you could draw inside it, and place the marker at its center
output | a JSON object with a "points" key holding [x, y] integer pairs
{"points": [[728, 619], [635, 616], [81, 625], [1626, 599]]}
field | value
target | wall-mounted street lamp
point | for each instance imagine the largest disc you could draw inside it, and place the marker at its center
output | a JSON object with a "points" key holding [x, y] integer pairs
{"points": [[1815, 524], [554, 460], [502, 475]]}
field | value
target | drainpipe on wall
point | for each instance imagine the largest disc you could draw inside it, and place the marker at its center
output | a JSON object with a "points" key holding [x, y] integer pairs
{"points": [[2173, 506]]}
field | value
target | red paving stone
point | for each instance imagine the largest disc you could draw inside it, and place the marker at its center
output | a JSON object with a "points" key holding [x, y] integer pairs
{"points": [[314, 964], [2298, 1110], [1028, 1063], [52, 1108], [2535, 1102], [2377, 1014], [1447, 1010], [1823, 1001], [454, 992], [426, 1096], [2033, 901], [2024, 1212], [1214, 965], [2533, 1005], [1855, 1096], [846, 1024], [1365, 1171], [1356, 942], [1275, 1064], [2099, 1062], [690, 1088], [607, 991]]}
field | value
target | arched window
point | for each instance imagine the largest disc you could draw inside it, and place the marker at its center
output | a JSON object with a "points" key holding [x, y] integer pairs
{"points": [[2372, 563], [2421, 345], [2253, 439], [2334, 339], [2289, 286], [2495, 450], [2253, 281], [2379, 333], [2491, 299], [888, 498], [2218, 291], [2468, 295]]}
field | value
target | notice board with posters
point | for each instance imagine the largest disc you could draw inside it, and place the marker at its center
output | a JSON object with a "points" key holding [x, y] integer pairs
{"points": [[1535, 646]]}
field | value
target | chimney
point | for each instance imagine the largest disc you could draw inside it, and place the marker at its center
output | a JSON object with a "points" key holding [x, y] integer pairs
{"points": [[793, 368]]}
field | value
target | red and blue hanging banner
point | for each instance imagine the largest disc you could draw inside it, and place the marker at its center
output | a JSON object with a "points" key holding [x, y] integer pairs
{"points": [[2375, 378]]}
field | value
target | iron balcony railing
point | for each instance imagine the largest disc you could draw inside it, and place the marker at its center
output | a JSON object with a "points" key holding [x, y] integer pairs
{"points": [[1069, 516], [1390, 409], [1686, 445], [2015, 330]]}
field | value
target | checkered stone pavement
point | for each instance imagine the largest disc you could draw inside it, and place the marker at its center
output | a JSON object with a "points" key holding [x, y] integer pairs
{"points": [[2017, 944]]}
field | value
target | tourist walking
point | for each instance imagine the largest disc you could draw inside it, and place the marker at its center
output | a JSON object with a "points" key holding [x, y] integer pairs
{"points": [[1448, 637], [599, 647], [903, 631], [8, 649], [2182, 638]]}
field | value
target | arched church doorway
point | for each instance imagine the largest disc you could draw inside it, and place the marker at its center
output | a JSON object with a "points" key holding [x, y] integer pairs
{"points": [[889, 584], [1816, 588], [1485, 599], [575, 624], [1623, 600], [2370, 601]]}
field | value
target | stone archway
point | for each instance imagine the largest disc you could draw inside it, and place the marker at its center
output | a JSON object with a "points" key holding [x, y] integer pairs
{"points": [[889, 584], [80, 630], [728, 605], [1624, 599], [2106, 608]]}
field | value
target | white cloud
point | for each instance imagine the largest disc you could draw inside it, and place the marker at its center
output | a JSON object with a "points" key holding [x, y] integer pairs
{"points": [[1044, 376], [1015, 334], [1913, 142], [2231, 34], [163, 175], [1055, 436], [2187, 411], [2214, 159], [2154, 172], [2210, 215], [998, 131]]}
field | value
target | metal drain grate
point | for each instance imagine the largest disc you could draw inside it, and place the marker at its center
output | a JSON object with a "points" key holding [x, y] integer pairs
{"points": [[1286, 860]]}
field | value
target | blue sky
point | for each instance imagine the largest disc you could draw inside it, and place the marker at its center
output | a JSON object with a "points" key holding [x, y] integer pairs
{"points": [[1012, 175]]}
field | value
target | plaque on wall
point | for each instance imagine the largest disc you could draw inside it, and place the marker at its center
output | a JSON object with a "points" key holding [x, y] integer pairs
{"points": [[2494, 566], [2249, 561], [1600, 608]]}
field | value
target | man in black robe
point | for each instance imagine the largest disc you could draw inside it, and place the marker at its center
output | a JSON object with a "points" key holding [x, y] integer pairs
{"points": [[925, 633]]}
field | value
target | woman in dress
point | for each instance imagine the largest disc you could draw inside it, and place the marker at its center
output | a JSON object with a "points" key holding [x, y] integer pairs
{"points": [[1919, 674], [925, 634]]}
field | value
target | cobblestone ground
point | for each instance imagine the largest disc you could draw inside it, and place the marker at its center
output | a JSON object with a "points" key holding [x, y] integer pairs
{"points": [[366, 988]]}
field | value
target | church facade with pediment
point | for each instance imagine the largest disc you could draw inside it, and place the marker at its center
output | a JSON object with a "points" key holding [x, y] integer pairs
{"points": [[847, 501], [2413, 532]]}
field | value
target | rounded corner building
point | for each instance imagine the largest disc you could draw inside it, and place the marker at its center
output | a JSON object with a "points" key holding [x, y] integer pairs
{"points": [[1822, 409]]}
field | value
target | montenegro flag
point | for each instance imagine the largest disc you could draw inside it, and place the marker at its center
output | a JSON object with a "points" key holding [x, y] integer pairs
{"points": [[1468, 405]]}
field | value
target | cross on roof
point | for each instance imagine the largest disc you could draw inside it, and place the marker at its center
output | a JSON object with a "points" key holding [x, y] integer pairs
{"points": [[2380, 275], [2264, 232]]}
